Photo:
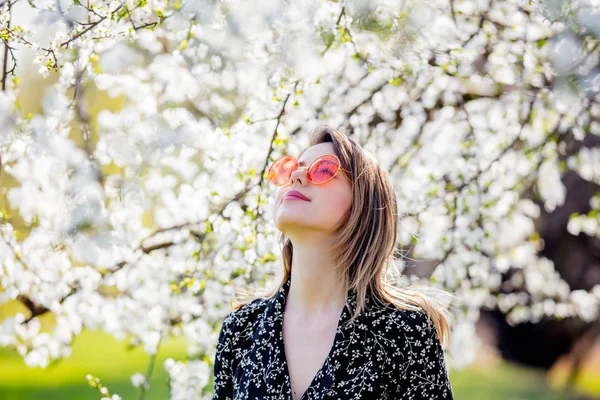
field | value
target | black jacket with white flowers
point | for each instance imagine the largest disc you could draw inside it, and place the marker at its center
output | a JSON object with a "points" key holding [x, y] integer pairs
{"points": [[386, 353]]}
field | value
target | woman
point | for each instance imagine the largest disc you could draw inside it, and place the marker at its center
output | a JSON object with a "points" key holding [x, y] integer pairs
{"points": [[334, 328]]}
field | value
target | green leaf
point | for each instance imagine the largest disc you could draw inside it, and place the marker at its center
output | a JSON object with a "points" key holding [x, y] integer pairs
{"points": [[327, 37], [121, 13], [343, 36], [396, 81]]}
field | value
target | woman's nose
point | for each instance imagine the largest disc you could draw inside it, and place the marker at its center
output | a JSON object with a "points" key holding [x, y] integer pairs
{"points": [[299, 173]]}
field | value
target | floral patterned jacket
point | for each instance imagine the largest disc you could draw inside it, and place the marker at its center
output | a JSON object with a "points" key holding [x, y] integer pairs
{"points": [[386, 353]]}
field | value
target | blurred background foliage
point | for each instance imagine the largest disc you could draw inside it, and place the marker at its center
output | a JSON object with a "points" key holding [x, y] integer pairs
{"points": [[495, 375]]}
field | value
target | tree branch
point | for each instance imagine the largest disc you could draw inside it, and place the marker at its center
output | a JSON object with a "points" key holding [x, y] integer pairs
{"points": [[6, 50]]}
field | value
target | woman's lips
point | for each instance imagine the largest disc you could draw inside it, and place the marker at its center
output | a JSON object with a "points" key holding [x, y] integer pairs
{"points": [[293, 197], [296, 194]]}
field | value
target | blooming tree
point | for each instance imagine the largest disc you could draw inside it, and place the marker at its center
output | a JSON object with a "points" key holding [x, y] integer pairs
{"points": [[141, 219]]}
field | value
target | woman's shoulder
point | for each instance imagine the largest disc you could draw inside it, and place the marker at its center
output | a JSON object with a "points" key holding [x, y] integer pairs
{"points": [[392, 320], [415, 355], [407, 333], [245, 316]]}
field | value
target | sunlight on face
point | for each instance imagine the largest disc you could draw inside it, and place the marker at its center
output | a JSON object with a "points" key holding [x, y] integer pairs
{"points": [[329, 202]]}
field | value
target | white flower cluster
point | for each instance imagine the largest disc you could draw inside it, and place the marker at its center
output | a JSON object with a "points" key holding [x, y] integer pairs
{"points": [[187, 379]]}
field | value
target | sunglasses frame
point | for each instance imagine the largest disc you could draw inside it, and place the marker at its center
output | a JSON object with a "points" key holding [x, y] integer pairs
{"points": [[308, 168]]}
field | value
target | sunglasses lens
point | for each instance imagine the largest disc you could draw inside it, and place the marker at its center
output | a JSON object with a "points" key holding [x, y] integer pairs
{"points": [[281, 170], [323, 169]]}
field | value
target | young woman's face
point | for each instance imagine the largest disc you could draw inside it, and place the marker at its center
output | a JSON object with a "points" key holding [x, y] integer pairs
{"points": [[328, 202]]}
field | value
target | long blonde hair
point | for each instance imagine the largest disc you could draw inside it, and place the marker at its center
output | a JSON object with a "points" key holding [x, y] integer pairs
{"points": [[366, 239]]}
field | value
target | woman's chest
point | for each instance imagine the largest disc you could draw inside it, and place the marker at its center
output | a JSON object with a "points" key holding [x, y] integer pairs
{"points": [[306, 352], [356, 367]]}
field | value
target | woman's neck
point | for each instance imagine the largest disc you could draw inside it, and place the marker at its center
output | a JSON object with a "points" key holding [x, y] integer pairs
{"points": [[315, 288]]}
